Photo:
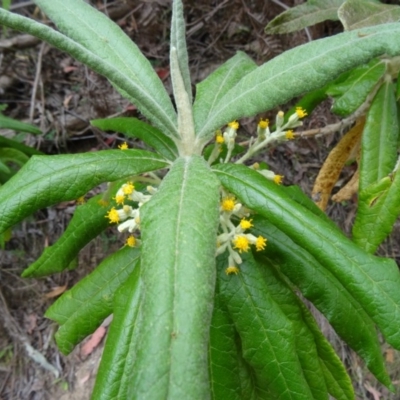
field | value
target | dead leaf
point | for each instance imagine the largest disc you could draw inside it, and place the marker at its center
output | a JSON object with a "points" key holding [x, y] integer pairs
{"points": [[390, 356], [375, 393], [333, 165], [93, 341], [56, 292], [30, 323], [348, 190]]}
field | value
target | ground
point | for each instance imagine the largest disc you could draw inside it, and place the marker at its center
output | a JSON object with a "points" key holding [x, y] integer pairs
{"points": [[45, 87]]}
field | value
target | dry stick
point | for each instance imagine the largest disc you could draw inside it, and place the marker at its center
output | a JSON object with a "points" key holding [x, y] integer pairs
{"points": [[13, 330], [36, 81]]}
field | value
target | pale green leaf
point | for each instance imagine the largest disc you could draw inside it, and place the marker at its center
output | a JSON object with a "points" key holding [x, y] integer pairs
{"points": [[303, 15], [300, 70], [179, 227]]}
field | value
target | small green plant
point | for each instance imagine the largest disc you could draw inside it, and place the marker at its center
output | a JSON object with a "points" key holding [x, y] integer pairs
{"points": [[205, 299]]}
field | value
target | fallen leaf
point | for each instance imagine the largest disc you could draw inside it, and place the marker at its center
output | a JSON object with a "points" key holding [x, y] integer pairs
{"points": [[56, 292], [93, 341]]}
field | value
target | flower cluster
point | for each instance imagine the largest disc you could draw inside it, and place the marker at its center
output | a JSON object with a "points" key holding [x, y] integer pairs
{"points": [[128, 217], [234, 237]]}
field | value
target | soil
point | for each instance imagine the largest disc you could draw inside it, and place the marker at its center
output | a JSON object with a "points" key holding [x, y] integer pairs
{"points": [[46, 87]]}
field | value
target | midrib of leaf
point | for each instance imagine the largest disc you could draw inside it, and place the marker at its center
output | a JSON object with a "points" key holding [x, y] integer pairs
{"points": [[296, 68]]}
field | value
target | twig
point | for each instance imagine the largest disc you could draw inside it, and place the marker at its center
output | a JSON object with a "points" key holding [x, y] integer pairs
{"points": [[36, 81]]}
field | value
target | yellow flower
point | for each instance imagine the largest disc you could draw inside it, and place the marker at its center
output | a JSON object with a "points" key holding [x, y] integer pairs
{"points": [[123, 146], [263, 123], [131, 241], [119, 198], [218, 137], [232, 270], [80, 200], [113, 216], [289, 135], [234, 125], [241, 243], [261, 243], [228, 204], [246, 224], [278, 179], [301, 112], [128, 188]]}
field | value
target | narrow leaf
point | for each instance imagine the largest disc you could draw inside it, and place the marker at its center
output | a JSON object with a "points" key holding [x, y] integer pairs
{"points": [[101, 45], [179, 227], [356, 14], [357, 271], [267, 335], [10, 123], [210, 90], [379, 139], [115, 368], [300, 70], [133, 127], [82, 309], [178, 41], [5, 142], [48, 180], [353, 91], [299, 17], [378, 210], [331, 298], [87, 223]]}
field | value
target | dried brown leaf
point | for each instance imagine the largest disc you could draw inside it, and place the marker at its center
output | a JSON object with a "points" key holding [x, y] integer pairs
{"points": [[348, 190], [333, 165], [56, 292]]}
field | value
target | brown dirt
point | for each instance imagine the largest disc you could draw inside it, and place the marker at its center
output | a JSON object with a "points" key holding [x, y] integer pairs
{"points": [[49, 89]]}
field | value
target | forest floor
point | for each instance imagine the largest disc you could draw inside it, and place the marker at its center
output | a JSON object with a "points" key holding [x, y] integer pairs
{"points": [[49, 89]]}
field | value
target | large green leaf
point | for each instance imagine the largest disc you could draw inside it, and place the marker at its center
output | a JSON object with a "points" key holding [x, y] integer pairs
{"points": [[179, 227], [356, 14], [88, 221], [300, 70], [115, 369], [379, 139], [320, 286], [303, 15], [352, 92], [374, 282], [80, 310], [133, 127], [93, 39], [211, 89], [47, 180], [268, 336]]}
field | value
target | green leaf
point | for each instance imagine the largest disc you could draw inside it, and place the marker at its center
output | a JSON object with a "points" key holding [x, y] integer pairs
{"points": [[88, 221], [5, 142], [213, 88], [379, 139], [4, 168], [331, 298], [181, 219], [300, 70], [14, 156], [133, 127], [310, 13], [353, 91], [116, 364], [48, 180], [93, 39], [378, 210], [356, 14], [178, 41], [229, 377], [357, 271], [268, 336], [10, 123], [80, 310]]}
